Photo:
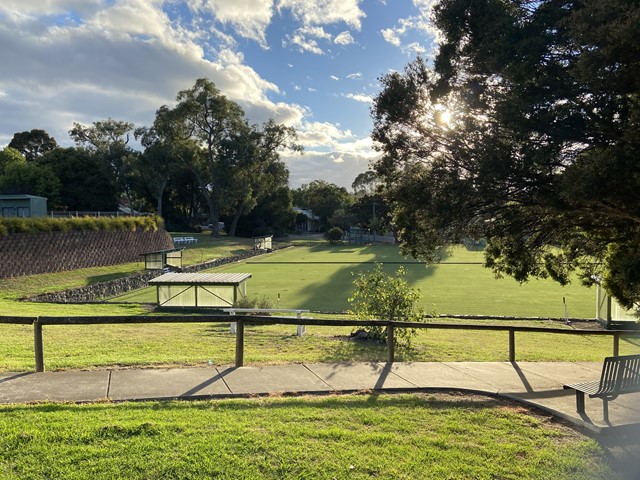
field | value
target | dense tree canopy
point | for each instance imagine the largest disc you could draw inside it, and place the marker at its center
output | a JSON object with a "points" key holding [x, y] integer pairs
{"points": [[33, 144], [525, 132], [323, 198], [234, 163]]}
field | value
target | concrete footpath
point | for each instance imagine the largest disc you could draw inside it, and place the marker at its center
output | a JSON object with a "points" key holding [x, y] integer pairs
{"points": [[537, 384]]}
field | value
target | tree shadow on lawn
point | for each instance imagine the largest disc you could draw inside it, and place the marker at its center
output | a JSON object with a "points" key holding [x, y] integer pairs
{"points": [[380, 253], [338, 286]]}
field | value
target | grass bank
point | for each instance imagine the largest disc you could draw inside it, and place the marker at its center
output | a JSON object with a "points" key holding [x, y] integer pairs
{"points": [[355, 437]]}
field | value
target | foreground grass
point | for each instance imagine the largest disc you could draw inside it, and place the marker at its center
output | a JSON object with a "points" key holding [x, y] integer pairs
{"points": [[356, 437], [155, 345]]}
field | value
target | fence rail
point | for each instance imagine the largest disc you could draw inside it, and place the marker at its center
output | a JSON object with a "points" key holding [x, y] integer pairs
{"points": [[243, 320]]}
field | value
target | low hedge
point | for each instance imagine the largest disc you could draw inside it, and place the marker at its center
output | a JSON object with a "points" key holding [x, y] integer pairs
{"points": [[47, 224]]}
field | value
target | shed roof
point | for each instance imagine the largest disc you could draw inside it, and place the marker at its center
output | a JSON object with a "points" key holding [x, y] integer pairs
{"points": [[201, 278]]}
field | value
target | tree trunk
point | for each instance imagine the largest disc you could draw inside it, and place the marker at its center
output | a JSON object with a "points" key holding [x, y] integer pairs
{"points": [[234, 222], [214, 212], [159, 195]]}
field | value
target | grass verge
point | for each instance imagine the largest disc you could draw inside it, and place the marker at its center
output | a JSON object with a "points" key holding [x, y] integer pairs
{"points": [[155, 345], [355, 437]]}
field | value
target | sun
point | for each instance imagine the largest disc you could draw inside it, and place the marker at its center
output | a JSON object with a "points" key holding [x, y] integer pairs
{"points": [[444, 116]]}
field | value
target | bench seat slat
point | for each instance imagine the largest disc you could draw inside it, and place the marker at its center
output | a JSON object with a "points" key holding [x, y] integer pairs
{"points": [[586, 387]]}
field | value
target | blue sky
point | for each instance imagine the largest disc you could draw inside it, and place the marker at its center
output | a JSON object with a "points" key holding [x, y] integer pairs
{"points": [[309, 64]]}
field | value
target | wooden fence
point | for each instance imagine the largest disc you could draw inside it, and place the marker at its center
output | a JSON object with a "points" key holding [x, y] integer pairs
{"points": [[242, 320]]}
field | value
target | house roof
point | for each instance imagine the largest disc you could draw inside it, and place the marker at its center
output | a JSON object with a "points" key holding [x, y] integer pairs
{"points": [[201, 279], [20, 197]]}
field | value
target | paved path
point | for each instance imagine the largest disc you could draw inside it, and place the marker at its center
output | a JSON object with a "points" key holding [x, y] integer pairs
{"points": [[537, 383], [534, 383]]}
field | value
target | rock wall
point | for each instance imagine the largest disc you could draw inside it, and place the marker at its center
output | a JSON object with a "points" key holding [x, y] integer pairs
{"points": [[46, 252], [97, 291]]}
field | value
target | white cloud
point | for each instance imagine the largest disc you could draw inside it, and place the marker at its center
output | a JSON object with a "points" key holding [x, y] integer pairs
{"points": [[343, 38], [47, 7], [323, 12], [317, 32], [333, 77], [106, 65], [354, 76], [303, 43], [249, 18], [306, 38], [392, 36], [359, 97], [317, 134], [87, 60], [420, 23]]}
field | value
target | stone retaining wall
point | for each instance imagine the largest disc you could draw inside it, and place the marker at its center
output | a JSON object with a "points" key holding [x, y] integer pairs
{"points": [[47, 252]]}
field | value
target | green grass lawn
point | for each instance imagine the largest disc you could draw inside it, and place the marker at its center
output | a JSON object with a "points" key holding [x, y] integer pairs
{"points": [[320, 278], [155, 345], [315, 276], [358, 437], [418, 436]]}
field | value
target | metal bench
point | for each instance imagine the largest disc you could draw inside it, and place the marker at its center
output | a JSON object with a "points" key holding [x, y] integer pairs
{"points": [[619, 375]]}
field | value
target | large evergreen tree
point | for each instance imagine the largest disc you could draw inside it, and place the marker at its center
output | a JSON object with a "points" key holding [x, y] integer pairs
{"points": [[526, 132]]}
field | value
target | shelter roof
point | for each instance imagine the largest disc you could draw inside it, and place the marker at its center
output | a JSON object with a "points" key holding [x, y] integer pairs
{"points": [[201, 278], [168, 250]]}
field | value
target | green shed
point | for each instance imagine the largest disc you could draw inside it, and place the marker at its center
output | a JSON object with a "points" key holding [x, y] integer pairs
{"points": [[207, 290], [23, 206]]}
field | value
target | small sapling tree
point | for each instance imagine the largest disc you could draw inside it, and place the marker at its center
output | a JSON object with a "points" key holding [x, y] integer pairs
{"points": [[379, 296]]}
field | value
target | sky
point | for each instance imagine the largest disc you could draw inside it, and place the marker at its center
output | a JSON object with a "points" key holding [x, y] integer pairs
{"points": [[310, 64]]}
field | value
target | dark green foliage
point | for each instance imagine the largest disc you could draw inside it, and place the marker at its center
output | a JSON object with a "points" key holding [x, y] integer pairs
{"points": [[33, 144], [86, 184], [541, 155], [334, 235], [379, 296], [273, 215], [323, 198], [30, 179]]}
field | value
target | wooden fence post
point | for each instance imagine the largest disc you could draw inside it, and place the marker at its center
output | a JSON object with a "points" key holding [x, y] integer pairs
{"points": [[512, 345], [37, 345], [239, 343], [390, 343]]}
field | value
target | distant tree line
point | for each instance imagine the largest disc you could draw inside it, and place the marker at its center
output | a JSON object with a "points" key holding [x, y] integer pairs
{"points": [[199, 163]]}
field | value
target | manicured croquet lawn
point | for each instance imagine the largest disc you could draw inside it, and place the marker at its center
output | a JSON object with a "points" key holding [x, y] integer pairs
{"points": [[320, 278]]}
